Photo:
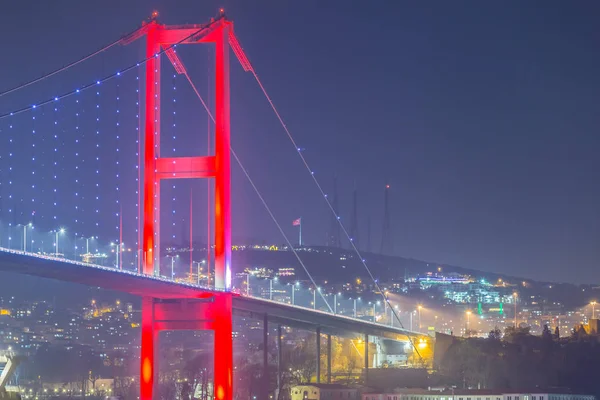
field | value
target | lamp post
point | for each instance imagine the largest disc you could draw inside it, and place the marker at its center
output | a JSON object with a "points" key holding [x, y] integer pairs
{"points": [[315, 297], [271, 287], [198, 271], [61, 230], [25, 235], [419, 307], [118, 249], [354, 311], [294, 292], [173, 266], [9, 236], [335, 302], [87, 243], [515, 295], [468, 320], [334, 307]]}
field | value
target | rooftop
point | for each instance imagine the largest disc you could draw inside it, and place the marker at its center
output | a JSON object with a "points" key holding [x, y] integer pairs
{"points": [[482, 392], [332, 386]]}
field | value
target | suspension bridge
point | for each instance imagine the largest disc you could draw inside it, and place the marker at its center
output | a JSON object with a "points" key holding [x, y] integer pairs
{"points": [[54, 154]]}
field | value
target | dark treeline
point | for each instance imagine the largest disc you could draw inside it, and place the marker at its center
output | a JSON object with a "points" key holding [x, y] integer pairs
{"points": [[522, 361]]}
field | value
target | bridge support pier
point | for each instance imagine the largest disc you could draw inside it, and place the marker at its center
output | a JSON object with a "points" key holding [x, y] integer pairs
{"points": [[318, 354], [212, 312], [265, 375], [279, 356], [328, 358], [366, 359]]}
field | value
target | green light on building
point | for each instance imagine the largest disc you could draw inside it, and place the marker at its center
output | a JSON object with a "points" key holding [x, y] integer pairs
{"points": [[479, 309], [501, 309]]}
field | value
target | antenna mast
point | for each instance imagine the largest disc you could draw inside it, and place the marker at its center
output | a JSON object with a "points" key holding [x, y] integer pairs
{"points": [[386, 237]]}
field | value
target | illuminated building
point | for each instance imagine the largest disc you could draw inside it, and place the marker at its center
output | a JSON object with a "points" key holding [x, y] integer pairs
{"points": [[287, 271], [472, 394], [320, 391]]}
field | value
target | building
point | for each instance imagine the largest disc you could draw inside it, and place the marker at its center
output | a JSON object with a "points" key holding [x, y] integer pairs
{"points": [[422, 394], [323, 391], [286, 272]]}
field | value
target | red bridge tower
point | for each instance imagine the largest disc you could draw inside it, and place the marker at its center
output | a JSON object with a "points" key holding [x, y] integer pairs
{"points": [[212, 309]]}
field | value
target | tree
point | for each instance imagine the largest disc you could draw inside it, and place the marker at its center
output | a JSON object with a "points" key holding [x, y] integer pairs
{"points": [[579, 333], [464, 363], [122, 366], [248, 378], [200, 370], [523, 360], [516, 335], [470, 333], [495, 334], [546, 335]]}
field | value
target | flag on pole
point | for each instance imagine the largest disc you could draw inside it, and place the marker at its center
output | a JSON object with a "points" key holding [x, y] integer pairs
{"points": [[298, 223]]}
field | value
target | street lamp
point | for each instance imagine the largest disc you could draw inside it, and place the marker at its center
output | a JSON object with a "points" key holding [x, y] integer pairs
{"points": [[315, 297], [515, 295], [294, 291], [593, 304], [419, 307], [87, 243], [118, 247], [271, 287], [9, 236], [335, 302], [468, 319], [354, 314], [61, 230], [173, 266], [30, 225], [373, 310], [199, 270]]}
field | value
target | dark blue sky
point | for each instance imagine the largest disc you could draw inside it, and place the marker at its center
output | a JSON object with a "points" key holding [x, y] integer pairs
{"points": [[482, 116]]}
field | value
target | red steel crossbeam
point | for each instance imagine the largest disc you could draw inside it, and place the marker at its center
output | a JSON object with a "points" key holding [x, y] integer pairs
{"points": [[208, 313], [185, 167], [217, 315]]}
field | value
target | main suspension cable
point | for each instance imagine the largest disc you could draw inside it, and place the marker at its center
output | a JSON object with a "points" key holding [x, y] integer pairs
{"points": [[70, 65], [263, 201], [106, 78]]}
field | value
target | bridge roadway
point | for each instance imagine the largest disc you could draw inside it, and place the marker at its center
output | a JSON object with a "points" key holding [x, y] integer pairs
{"points": [[44, 266]]}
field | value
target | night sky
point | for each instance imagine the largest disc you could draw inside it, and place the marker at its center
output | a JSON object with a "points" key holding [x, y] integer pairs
{"points": [[482, 116]]}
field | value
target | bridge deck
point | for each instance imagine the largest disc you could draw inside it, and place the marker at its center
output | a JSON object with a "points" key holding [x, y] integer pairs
{"points": [[144, 285]]}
